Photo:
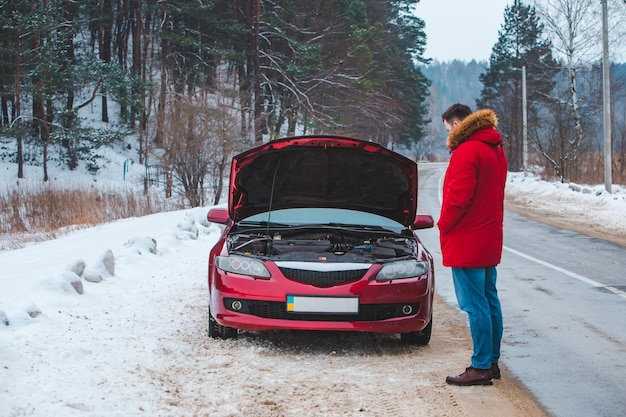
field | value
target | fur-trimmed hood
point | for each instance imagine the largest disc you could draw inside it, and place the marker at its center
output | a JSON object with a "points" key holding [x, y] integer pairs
{"points": [[480, 119]]}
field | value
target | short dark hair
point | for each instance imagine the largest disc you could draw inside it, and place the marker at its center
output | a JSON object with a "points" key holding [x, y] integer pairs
{"points": [[457, 111]]}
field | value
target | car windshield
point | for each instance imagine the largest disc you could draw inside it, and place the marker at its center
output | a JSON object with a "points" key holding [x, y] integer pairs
{"points": [[323, 216]]}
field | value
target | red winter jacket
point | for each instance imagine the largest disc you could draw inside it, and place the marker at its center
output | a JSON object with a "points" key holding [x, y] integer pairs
{"points": [[472, 211]]}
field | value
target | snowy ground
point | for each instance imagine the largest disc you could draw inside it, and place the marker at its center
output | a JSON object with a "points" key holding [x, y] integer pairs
{"points": [[81, 352], [113, 349], [583, 208]]}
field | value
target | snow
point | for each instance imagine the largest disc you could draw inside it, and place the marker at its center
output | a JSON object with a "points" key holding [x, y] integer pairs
{"points": [[592, 202], [68, 354], [83, 351]]}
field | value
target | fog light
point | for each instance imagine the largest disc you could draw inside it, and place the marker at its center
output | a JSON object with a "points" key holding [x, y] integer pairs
{"points": [[407, 310], [236, 305]]}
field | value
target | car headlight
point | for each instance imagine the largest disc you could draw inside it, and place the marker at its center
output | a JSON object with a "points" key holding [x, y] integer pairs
{"points": [[403, 269], [242, 265]]}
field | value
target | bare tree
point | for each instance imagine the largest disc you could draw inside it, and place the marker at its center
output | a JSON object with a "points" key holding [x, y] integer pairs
{"points": [[202, 132], [575, 30], [225, 138], [186, 148], [572, 25]]}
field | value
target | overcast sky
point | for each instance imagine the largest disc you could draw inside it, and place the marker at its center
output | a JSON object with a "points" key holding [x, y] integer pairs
{"points": [[461, 29]]}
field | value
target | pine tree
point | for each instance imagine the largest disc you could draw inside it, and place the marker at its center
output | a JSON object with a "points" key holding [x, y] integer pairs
{"points": [[519, 44], [298, 66], [13, 21], [408, 42]]}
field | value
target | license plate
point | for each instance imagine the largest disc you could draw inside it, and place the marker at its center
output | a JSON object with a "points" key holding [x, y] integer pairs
{"points": [[322, 305]]}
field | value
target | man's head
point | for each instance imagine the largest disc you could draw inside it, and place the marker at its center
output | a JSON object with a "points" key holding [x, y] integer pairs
{"points": [[454, 114]]}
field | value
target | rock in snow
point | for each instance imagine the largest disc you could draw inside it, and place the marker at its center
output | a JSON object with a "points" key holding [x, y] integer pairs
{"points": [[77, 267], [71, 278], [92, 275], [108, 262]]}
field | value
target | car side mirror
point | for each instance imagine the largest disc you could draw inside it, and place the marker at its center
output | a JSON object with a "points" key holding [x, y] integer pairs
{"points": [[423, 221], [218, 215]]}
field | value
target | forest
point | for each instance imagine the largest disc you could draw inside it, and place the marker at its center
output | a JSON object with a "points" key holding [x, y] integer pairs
{"points": [[548, 52], [195, 82]]}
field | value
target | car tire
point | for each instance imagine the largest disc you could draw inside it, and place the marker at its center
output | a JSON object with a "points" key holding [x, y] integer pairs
{"points": [[421, 337], [217, 331]]}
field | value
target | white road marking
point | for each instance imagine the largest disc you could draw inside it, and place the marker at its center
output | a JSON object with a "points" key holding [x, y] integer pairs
{"points": [[568, 273], [549, 265]]}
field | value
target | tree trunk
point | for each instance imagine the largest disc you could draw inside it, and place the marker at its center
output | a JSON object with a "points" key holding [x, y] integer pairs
{"points": [[105, 48], [136, 69], [122, 23], [160, 117], [259, 120], [45, 134], [17, 110]]}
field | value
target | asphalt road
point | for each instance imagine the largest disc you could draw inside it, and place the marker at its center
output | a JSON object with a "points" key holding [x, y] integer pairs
{"points": [[564, 303]]}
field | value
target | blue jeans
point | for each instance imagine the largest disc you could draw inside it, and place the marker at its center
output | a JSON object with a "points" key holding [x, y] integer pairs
{"points": [[476, 294]]}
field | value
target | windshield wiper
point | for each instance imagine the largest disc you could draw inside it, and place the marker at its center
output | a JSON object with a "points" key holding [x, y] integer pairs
{"points": [[261, 223], [353, 226]]}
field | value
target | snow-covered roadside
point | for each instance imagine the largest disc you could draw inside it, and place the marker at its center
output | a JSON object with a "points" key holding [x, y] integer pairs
{"points": [[125, 346], [588, 209], [89, 352], [135, 344]]}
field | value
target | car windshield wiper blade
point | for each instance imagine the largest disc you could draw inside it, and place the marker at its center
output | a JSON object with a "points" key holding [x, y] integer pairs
{"points": [[261, 223], [353, 226]]}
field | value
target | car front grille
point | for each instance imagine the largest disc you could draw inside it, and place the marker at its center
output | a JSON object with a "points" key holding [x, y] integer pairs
{"points": [[323, 278], [278, 310]]}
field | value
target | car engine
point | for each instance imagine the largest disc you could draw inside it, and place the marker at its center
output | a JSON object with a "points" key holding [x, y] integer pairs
{"points": [[315, 246]]}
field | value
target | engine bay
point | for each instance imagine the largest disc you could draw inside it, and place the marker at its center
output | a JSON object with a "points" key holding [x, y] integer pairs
{"points": [[337, 245]]}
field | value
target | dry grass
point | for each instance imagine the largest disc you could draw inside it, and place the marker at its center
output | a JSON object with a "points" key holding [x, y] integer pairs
{"points": [[587, 169], [46, 211]]}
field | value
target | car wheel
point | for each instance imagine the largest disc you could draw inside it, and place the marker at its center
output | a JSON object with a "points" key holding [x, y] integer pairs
{"points": [[218, 331], [421, 337]]}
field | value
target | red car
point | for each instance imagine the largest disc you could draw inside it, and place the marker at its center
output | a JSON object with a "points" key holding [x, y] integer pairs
{"points": [[320, 235]]}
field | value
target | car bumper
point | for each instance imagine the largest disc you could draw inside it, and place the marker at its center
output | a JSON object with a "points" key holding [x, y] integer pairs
{"points": [[241, 302]]}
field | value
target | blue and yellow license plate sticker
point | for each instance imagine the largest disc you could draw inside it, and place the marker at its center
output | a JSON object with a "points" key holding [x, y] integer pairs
{"points": [[323, 305]]}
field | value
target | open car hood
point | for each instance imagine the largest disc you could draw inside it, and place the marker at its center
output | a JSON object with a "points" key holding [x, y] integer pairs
{"points": [[323, 171]]}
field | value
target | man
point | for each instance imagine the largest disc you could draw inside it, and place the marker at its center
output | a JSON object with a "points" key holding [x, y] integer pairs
{"points": [[470, 226]]}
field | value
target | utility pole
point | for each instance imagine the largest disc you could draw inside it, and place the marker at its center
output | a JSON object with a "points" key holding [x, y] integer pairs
{"points": [[606, 98]]}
